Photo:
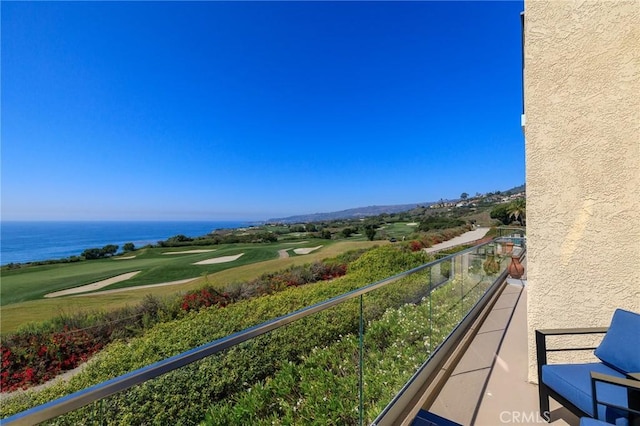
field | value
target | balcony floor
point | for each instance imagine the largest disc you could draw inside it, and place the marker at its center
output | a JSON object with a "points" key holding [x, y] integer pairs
{"points": [[489, 386]]}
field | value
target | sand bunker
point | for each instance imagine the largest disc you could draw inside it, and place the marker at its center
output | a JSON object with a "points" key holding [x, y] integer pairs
{"points": [[94, 286], [222, 259], [189, 251], [412, 224], [305, 250], [124, 258], [119, 290]]}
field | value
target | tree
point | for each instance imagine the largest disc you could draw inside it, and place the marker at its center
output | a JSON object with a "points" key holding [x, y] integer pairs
{"points": [[347, 232], [92, 253], [464, 195], [517, 210], [500, 212], [179, 239], [109, 250], [128, 247], [370, 231]]}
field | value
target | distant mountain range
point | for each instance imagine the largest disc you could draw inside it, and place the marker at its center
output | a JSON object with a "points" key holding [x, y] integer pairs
{"points": [[360, 212], [355, 213]]}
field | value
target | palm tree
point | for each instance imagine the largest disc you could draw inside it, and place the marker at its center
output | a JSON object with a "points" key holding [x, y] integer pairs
{"points": [[518, 210]]}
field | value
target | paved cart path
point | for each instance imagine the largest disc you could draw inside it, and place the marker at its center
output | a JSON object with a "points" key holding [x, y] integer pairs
{"points": [[465, 238]]}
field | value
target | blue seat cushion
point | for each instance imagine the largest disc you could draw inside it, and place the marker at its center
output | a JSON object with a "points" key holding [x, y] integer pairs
{"points": [[573, 381], [620, 346], [588, 421]]}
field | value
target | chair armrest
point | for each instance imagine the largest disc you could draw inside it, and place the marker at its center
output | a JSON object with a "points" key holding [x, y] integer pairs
{"points": [[633, 391], [634, 376], [567, 331], [618, 381], [541, 342]]}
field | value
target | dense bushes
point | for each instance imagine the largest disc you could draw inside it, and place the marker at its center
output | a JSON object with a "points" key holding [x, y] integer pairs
{"points": [[220, 238], [439, 222], [100, 253], [383, 261], [45, 356], [38, 353], [323, 387], [266, 284]]}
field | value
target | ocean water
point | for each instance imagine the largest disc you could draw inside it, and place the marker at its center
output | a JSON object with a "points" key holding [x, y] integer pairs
{"points": [[32, 241]]}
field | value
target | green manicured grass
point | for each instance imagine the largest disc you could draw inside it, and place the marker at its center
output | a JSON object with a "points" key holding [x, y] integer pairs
{"points": [[15, 315], [34, 282], [181, 266], [399, 229]]}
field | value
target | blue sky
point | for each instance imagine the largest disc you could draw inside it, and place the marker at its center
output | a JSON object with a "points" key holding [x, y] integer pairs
{"points": [[253, 110]]}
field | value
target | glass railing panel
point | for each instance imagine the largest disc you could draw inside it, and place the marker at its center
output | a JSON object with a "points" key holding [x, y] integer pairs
{"points": [[301, 373], [480, 271], [397, 338], [441, 272], [462, 282], [447, 310], [182, 396], [308, 373]]}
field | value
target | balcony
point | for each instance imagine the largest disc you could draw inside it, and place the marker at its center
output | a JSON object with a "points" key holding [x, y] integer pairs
{"points": [[489, 385], [456, 313]]}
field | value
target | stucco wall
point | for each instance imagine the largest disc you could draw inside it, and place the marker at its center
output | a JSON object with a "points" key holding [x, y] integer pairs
{"points": [[582, 106]]}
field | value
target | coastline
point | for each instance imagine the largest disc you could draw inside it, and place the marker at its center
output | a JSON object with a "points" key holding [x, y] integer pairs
{"points": [[41, 241]]}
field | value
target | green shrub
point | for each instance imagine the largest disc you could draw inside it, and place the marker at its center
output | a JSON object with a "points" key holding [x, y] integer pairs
{"points": [[439, 222], [323, 388]]}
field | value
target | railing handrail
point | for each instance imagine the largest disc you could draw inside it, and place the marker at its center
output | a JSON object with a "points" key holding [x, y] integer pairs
{"points": [[123, 382]]}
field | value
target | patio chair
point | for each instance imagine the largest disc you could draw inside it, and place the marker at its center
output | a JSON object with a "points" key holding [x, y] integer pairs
{"points": [[608, 390]]}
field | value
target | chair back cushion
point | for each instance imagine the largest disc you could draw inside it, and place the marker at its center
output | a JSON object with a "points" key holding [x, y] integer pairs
{"points": [[620, 348]]}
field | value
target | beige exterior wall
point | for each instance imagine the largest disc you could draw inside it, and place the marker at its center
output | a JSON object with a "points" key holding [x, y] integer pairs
{"points": [[582, 106]]}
